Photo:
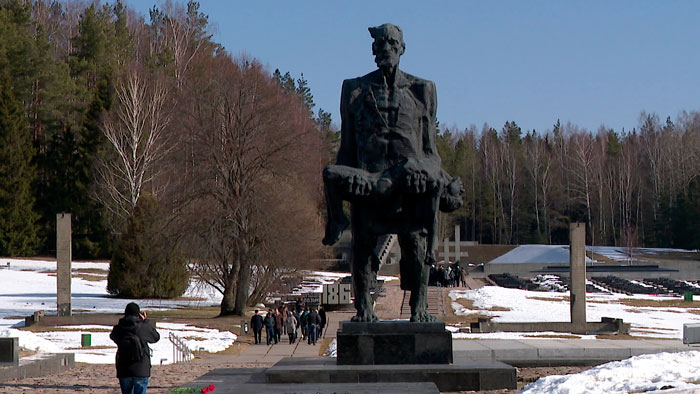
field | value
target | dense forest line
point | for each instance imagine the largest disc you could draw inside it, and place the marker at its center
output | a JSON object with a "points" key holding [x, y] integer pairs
{"points": [[631, 188], [176, 158], [173, 157]]}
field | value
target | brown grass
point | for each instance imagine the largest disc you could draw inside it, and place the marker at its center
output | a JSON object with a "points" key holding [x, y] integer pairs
{"points": [[629, 336], [38, 328], [205, 317], [657, 329], [639, 303], [26, 353], [464, 320], [89, 277], [95, 271], [90, 274], [91, 347], [469, 304], [562, 298], [194, 338], [669, 303]]}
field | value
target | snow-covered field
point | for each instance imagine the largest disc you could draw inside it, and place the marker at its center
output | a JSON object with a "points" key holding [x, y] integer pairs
{"points": [[541, 306], [30, 285], [674, 372], [27, 286], [668, 373]]}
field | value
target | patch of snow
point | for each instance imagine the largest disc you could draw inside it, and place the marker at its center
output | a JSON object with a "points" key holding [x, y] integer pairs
{"points": [[536, 306], [640, 374], [332, 349]]}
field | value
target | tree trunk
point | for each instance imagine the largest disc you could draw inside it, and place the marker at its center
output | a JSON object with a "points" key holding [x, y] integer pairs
{"points": [[243, 292], [229, 301]]}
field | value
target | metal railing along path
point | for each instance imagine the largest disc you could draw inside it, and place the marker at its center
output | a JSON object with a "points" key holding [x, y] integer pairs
{"points": [[181, 353]]}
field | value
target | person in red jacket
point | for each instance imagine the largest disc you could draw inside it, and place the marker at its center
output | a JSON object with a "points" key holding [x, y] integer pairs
{"points": [[132, 335]]}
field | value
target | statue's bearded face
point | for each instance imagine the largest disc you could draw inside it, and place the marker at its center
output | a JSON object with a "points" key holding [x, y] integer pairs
{"points": [[387, 50]]}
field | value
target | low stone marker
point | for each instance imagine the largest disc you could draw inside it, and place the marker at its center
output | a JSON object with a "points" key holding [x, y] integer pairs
{"points": [[9, 351], [691, 333], [34, 318]]}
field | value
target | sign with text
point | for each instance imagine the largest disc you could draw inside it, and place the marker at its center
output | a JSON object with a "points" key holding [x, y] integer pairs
{"points": [[336, 293]]}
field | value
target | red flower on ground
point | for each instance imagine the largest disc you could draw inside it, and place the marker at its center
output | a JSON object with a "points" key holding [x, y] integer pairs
{"points": [[208, 389]]}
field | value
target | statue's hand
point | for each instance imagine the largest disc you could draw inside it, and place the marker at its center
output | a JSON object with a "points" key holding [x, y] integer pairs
{"points": [[422, 175], [358, 185], [451, 198], [420, 182], [455, 187]]}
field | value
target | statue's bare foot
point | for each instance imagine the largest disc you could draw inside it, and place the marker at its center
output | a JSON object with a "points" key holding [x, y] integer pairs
{"points": [[365, 316], [334, 230], [422, 317]]}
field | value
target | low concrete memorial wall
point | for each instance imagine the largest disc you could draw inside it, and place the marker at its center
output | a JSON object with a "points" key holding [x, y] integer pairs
{"points": [[691, 333], [9, 351]]}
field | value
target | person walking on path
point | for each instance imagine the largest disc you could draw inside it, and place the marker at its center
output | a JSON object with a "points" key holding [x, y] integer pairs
{"points": [[256, 323], [269, 328], [132, 335], [313, 321], [279, 325], [324, 320], [297, 316], [290, 325], [458, 275], [303, 320]]}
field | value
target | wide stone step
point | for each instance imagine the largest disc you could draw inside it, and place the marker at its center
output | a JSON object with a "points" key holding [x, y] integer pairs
{"points": [[467, 375], [436, 306]]}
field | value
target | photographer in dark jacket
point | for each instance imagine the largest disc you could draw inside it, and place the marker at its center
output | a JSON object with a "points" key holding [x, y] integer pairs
{"points": [[132, 335]]}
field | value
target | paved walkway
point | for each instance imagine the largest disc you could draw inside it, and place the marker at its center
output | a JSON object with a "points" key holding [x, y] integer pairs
{"points": [[269, 355], [517, 352], [556, 352]]}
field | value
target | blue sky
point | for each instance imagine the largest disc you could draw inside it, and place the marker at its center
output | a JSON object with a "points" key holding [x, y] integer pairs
{"points": [[591, 62]]}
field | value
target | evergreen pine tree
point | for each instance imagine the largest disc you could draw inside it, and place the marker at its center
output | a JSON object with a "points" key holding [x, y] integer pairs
{"points": [[146, 262], [304, 92], [18, 228]]}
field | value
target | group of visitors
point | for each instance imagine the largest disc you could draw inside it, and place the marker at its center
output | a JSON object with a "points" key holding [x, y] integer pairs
{"points": [[289, 321], [449, 276]]}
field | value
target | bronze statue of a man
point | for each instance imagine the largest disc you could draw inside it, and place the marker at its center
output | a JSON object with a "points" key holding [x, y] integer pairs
{"points": [[388, 168]]}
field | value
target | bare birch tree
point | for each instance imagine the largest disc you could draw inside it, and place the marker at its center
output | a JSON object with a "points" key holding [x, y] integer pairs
{"points": [[137, 137], [182, 33], [538, 163], [582, 159], [493, 170]]}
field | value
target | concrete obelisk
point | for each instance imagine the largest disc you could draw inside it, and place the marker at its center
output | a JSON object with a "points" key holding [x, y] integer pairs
{"points": [[63, 263], [577, 263]]}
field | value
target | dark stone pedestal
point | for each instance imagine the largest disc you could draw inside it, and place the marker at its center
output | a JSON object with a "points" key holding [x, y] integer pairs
{"points": [[396, 354], [393, 342], [9, 351]]}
